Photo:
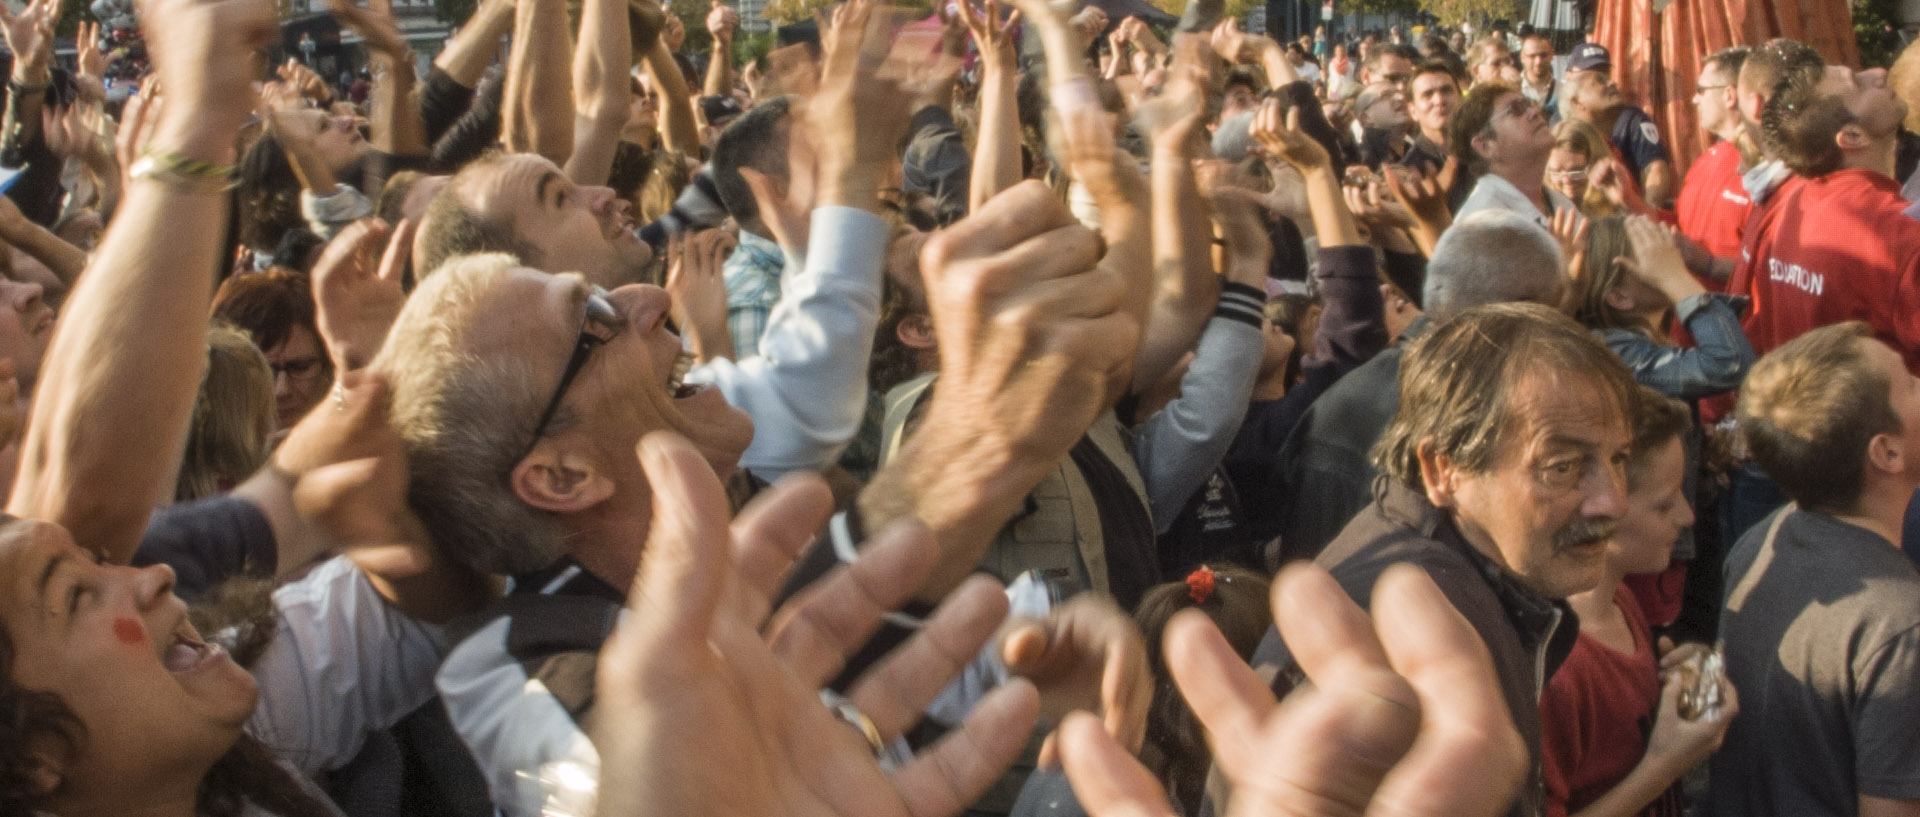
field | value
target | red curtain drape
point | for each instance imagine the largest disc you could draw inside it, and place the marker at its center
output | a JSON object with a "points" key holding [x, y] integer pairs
{"points": [[1656, 58]]}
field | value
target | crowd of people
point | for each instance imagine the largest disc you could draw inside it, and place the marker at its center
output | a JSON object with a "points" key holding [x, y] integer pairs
{"points": [[1013, 411]]}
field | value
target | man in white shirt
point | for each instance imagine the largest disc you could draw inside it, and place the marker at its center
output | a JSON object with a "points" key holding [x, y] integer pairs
{"points": [[1504, 137]]}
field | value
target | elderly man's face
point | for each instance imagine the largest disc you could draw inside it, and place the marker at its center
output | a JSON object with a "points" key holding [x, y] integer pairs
{"points": [[1558, 484], [627, 386], [588, 230], [1594, 92]]}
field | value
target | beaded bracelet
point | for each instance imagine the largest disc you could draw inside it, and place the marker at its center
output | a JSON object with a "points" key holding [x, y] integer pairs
{"points": [[191, 175]]}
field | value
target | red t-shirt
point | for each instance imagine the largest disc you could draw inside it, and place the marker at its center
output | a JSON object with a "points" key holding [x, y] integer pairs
{"points": [[1595, 716], [1713, 203], [1838, 248]]}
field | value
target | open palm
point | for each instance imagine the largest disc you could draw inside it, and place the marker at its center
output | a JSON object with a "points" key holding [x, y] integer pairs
{"points": [[702, 713]]}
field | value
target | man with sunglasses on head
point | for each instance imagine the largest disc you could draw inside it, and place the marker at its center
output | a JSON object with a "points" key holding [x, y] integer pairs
{"points": [[1504, 138]]}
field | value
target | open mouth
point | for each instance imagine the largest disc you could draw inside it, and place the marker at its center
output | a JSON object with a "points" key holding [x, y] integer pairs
{"points": [[187, 653], [677, 386]]}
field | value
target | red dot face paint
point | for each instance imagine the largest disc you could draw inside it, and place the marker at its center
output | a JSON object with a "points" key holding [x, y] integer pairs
{"points": [[129, 631]]}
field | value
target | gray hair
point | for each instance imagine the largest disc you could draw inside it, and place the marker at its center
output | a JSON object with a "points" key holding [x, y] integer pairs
{"points": [[1491, 257], [464, 414]]}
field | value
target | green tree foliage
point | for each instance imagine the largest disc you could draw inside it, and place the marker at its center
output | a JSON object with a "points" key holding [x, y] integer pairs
{"points": [[1874, 25], [1454, 12], [1236, 9], [1403, 7]]}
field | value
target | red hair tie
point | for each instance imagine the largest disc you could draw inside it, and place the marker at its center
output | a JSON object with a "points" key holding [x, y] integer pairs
{"points": [[1200, 584]]}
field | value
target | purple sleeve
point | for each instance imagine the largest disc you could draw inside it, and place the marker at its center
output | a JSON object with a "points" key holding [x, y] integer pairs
{"points": [[1352, 319]]}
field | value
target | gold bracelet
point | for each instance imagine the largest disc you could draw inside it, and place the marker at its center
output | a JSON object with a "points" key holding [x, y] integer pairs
{"points": [[183, 173]]}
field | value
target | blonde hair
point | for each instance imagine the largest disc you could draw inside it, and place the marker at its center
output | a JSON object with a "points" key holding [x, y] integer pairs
{"points": [[465, 414], [233, 417]]}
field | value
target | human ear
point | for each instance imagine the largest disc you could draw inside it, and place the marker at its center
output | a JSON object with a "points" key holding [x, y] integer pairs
{"points": [[1887, 453], [559, 481], [915, 332], [1617, 297], [1437, 474], [1852, 137]]}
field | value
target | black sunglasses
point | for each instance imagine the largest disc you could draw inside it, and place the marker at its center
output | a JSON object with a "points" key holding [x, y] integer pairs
{"points": [[601, 324]]}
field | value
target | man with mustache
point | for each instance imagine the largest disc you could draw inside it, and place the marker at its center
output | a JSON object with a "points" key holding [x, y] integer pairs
{"points": [[1502, 476]]}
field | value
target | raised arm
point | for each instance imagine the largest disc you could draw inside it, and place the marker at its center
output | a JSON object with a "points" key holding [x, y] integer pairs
{"points": [[806, 390], [1185, 286], [601, 90], [398, 128], [472, 48], [722, 21], [118, 384], [996, 153], [1085, 134], [1181, 444], [679, 130], [1034, 340], [538, 112], [1280, 134]]}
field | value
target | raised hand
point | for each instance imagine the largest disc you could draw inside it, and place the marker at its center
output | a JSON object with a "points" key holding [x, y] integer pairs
{"points": [[1424, 196], [1569, 228], [673, 32], [700, 292], [1282, 138], [203, 51], [374, 23], [1087, 23], [358, 298], [1087, 655], [29, 36], [1379, 211], [90, 81], [692, 661], [991, 34], [1658, 262], [856, 116], [1232, 44], [1033, 341], [722, 20], [355, 492], [1404, 716]]}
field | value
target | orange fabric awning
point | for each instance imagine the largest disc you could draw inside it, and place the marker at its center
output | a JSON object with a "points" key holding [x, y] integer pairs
{"points": [[1657, 58]]}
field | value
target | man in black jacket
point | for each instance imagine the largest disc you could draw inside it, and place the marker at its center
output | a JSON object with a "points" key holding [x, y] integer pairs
{"points": [[1503, 474], [1327, 474]]}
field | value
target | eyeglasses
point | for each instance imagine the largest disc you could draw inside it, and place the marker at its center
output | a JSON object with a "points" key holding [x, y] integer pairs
{"points": [[602, 323], [299, 368], [1578, 174], [1701, 89]]}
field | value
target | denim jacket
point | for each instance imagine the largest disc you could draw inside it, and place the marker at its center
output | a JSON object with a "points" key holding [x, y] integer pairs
{"points": [[1717, 364]]}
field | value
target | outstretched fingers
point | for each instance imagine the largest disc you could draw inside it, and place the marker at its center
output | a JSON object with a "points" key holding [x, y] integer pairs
{"points": [[1468, 760], [960, 766], [896, 692], [833, 618]]}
